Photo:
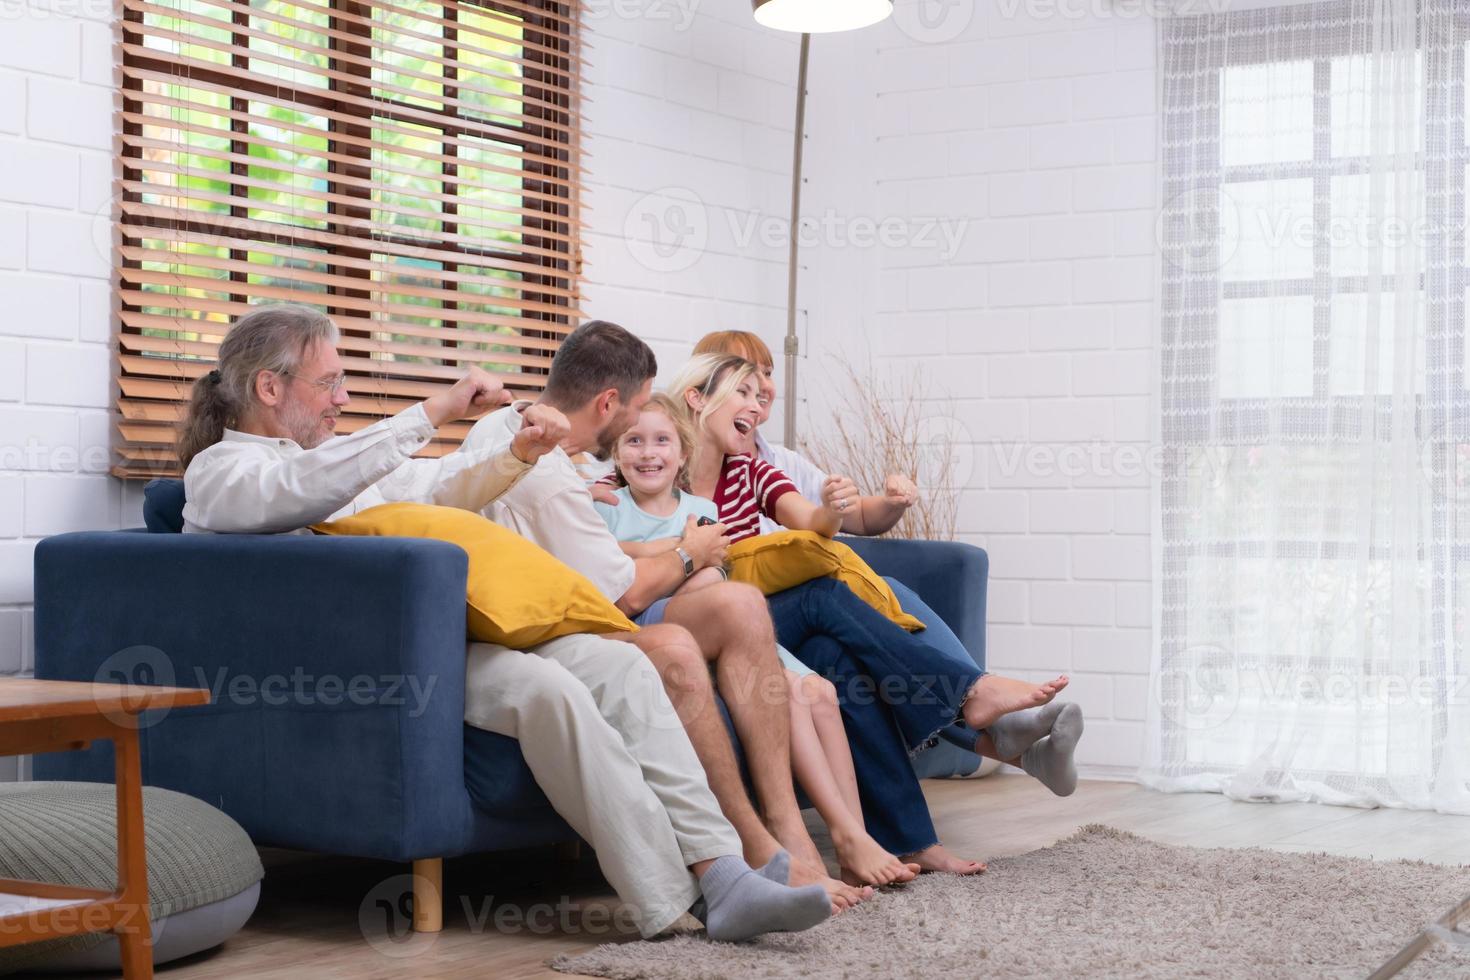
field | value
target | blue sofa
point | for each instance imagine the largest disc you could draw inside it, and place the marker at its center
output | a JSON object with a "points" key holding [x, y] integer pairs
{"points": [[325, 733]]}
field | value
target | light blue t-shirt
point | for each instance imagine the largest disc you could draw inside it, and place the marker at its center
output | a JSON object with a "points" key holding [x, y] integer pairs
{"points": [[628, 522]]}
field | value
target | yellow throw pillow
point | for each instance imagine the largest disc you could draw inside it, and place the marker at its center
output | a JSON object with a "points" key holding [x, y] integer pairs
{"points": [[784, 560], [518, 594]]}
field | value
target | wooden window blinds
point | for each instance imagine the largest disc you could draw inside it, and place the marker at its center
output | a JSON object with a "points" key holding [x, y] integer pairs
{"points": [[409, 166]]}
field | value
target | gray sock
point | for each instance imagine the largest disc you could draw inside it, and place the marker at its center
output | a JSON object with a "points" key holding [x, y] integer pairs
{"points": [[741, 904], [777, 869], [1014, 733], [1050, 759]]}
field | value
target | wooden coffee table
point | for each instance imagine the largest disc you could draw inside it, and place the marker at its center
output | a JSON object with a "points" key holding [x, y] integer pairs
{"points": [[56, 716]]}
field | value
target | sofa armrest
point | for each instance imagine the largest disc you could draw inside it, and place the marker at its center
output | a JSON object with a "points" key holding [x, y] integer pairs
{"points": [[949, 576], [336, 665]]}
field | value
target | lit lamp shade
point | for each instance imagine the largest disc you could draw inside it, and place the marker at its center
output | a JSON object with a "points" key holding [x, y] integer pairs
{"points": [[820, 16]]}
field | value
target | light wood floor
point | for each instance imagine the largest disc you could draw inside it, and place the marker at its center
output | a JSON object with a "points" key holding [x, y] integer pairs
{"points": [[308, 919]]}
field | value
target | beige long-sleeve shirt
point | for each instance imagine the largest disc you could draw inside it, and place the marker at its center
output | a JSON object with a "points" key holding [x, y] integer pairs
{"points": [[249, 484], [553, 508]]}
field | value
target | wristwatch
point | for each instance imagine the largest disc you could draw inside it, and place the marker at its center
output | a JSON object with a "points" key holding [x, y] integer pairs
{"points": [[688, 562]]}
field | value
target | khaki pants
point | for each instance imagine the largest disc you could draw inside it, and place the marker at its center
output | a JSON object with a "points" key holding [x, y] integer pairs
{"points": [[607, 749]]}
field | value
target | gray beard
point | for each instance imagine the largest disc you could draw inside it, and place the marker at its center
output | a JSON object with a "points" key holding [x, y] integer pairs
{"points": [[304, 429]]}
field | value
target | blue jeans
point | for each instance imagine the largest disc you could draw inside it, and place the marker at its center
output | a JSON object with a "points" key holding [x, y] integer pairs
{"points": [[953, 753], [897, 691], [895, 812]]}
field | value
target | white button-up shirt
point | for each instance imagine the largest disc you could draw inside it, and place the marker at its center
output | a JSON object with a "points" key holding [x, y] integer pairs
{"points": [[553, 508], [249, 484]]}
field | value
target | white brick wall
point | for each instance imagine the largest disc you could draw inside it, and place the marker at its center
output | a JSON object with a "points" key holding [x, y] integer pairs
{"points": [[689, 144], [1037, 121], [56, 103]]}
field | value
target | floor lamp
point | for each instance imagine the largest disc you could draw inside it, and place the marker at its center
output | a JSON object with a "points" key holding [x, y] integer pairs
{"points": [[807, 17]]}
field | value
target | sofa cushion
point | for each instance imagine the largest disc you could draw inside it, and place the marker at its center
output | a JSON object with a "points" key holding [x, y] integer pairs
{"points": [[518, 595], [785, 559], [163, 506]]}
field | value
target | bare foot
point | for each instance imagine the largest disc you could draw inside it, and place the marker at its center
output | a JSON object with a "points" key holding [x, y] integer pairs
{"points": [[793, 836], [937, 858], [842, 895], [865, 862], [758, 853], [994, 696]]}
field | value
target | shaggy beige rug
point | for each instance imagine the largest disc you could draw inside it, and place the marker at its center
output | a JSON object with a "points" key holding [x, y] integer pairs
{"points": [[1102, 903]]}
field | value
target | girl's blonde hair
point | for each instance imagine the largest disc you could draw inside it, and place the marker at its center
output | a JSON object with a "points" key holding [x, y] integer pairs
{"points": [[714, 376], [741, 343], [683, 428]]}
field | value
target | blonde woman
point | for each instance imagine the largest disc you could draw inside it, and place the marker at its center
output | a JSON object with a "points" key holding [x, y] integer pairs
{"points": [[870, 515], [896, 689], [955, 752]]}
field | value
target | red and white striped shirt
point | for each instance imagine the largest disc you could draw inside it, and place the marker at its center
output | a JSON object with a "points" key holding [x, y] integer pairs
{"points": [[748, 488]]}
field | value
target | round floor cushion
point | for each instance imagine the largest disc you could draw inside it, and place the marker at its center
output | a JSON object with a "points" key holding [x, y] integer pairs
{"points": [[203, 872]]}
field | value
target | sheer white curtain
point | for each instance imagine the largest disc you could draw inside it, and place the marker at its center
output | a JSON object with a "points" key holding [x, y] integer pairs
{"points": [[1313, 564]]}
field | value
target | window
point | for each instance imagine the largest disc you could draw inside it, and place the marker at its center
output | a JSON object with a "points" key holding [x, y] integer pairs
{"points": [[409, 166], [1314, 403]]}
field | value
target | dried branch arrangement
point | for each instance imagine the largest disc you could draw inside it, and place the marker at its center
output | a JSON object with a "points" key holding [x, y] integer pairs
{"points": [[877, 425]]}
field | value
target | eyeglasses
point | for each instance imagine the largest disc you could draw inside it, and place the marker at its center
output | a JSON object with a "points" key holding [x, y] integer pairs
{"points": [[333, 385]]}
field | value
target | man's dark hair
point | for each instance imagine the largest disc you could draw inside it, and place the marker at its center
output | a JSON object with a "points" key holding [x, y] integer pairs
{"points": [[597, 356]]}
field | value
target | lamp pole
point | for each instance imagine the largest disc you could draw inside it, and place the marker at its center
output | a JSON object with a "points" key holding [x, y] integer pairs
{"points": [[792, 343]]}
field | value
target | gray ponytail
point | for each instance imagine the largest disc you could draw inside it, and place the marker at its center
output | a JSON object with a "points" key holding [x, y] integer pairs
{"points": [[269, 338]]}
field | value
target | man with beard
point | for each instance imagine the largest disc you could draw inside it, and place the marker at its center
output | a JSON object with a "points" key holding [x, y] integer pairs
{"points": [[600, 379]]}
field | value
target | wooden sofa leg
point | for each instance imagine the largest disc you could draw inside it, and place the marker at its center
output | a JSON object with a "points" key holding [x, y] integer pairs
{"points": [[569, 850], [428, 895]]}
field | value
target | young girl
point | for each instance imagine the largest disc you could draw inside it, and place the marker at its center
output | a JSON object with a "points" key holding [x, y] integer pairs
{"points": [[925, 688], [651, 514]]}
